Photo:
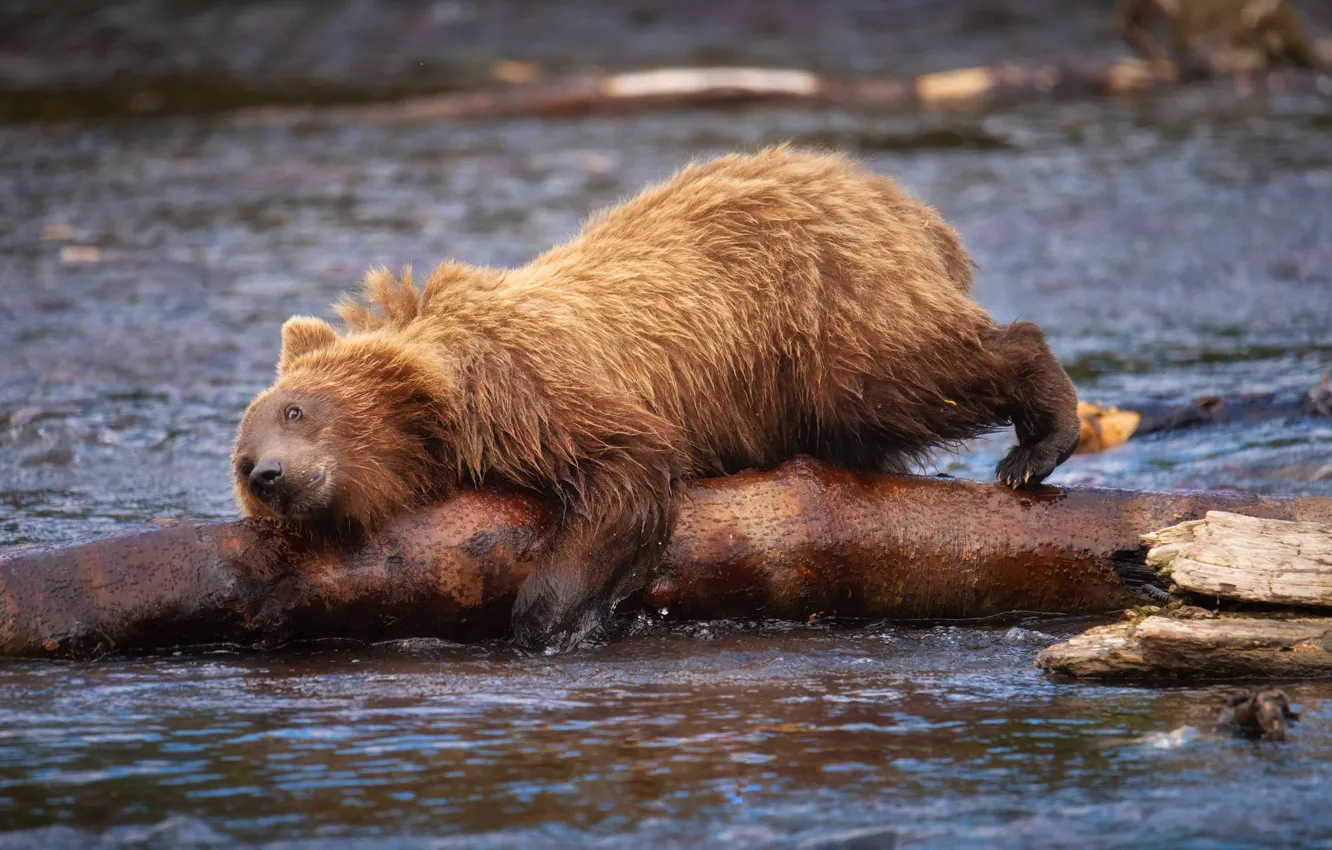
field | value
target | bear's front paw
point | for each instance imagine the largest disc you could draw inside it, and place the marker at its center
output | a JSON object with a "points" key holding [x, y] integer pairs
{"points": [[548, 619], [1027, 466]]}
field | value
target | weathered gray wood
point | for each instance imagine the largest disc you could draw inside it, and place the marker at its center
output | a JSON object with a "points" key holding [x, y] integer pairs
{"points": [[1161, 647], [1105, 652], [1230, 556]]}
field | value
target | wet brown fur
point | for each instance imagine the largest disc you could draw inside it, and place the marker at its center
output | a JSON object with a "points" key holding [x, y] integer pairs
{"points": [[750, 308]]}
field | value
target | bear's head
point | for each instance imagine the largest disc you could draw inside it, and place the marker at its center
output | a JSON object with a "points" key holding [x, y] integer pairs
{"points": [[351, 432]]}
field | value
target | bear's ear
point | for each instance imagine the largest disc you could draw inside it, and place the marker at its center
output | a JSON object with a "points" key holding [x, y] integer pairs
{"points": [[301, 335]]}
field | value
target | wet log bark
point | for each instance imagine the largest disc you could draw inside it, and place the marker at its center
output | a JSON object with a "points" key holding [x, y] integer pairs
{"points": [[1160, 647], [1229, 556], [803, 540], [711, 87]]}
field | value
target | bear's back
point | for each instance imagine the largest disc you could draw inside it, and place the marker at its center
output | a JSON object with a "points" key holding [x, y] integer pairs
{"points": [[745, 298]]}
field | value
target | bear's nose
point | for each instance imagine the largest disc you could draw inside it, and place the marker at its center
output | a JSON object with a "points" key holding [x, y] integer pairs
{"points": [[265, 477]]}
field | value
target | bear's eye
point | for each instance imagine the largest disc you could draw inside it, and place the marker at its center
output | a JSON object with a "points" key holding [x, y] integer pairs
{"points": [[292, 413], [245, 467]]}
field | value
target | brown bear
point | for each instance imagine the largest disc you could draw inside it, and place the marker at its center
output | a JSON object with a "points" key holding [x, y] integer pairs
{"points": [[748, 309]]}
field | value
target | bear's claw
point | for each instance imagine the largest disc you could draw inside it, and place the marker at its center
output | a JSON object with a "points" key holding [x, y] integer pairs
{"points": [[1026, 466]]}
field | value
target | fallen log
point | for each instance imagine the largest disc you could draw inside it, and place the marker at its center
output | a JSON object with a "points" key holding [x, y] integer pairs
{"points": [[1107, 427], [801, 541], [595, 92], [1161, 647], [1229, 556]]}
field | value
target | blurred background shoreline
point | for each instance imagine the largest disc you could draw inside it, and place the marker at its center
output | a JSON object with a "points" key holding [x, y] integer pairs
{"points": [[78, 60]]}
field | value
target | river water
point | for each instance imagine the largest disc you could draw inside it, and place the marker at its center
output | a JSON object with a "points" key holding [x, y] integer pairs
{"points": [[1169, 247]]}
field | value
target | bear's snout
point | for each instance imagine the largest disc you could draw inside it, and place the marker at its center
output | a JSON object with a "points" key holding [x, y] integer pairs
{"points": [[266, 480]]}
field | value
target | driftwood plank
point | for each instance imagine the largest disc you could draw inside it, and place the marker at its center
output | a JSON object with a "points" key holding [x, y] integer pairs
{"points": [[1231, 556], [1161, 647]]}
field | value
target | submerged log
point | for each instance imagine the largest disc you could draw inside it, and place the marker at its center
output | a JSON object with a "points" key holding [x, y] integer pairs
{"points": [[1107, 427], [1162, 647], [804, 540], [1229, 556], [1241, 408]]}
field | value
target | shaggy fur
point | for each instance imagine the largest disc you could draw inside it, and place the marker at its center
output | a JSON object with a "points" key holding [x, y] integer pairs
{"points": [[748, 309]]}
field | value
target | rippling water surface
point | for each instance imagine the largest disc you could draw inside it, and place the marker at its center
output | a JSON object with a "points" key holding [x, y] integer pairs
{"points": [[1169, 248], [724, 734]]}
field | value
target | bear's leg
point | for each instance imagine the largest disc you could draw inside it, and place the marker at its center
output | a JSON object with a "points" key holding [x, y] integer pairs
{"points": [[601, 554], [866, 449], [618, 510], [1041, 402]]}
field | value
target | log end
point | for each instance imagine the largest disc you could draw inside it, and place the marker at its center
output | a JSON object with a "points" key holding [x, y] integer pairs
{"points": [[1168, 647], [1105, 652]]}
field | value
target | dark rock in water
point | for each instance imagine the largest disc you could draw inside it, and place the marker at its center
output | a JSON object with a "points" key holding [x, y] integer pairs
{"points": [[1318, 400], [1257, 714], [58, 456], [872, 838]]}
